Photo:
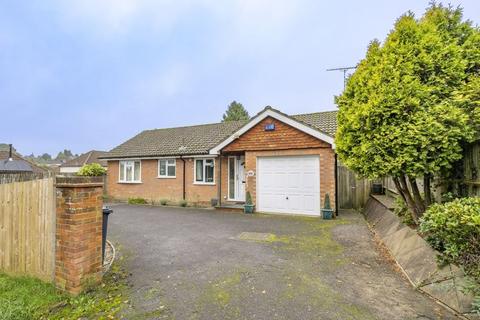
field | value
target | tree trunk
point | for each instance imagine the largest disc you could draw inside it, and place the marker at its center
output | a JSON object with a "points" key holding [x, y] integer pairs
{"points": [[427, 190], [417, 197], [399, 188], [403, 188]]}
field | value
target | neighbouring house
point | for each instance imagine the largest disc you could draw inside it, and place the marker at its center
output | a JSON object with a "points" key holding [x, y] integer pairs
{"points": [[287, 163], [12, 162], [72, 166]]}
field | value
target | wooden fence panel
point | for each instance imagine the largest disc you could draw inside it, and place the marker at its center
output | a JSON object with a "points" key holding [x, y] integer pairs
{"points": [[27, 228], [471, 172], [353, 192]]}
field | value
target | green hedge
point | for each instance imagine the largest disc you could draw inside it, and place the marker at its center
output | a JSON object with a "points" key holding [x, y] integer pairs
{"points": [[92, 170], [453, 228]]}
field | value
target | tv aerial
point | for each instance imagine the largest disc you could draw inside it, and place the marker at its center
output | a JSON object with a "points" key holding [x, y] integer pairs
{"points": [[344, 70]]}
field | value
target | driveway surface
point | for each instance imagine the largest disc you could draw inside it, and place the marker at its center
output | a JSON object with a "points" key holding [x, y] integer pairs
{"points": [[204, 264]]}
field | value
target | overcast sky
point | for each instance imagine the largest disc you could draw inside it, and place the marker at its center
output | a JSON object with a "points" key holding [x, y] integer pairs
{"points": [[89, 74]]}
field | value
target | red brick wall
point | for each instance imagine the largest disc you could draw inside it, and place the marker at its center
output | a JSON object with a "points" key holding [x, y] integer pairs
{"points": [[154, 188], [283, 137], [78, 233], [284, 140]]}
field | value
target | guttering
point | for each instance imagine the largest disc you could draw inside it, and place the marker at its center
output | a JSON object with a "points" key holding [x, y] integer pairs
{"points": [[184, 184], [159, 157]]}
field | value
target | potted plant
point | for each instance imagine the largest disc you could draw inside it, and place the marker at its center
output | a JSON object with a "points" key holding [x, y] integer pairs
{"points": [[248, 207], [327, 211]]}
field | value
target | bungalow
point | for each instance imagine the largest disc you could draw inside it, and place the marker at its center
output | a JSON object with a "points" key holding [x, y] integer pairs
{"points": [[73, 166], [287, 163]]}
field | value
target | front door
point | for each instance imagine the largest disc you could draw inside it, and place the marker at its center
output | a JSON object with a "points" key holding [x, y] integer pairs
{"points": [[236, 178]]}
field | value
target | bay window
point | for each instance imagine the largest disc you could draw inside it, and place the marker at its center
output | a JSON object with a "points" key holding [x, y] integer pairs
{"points": [[205, 171], [166, 168], [129, 171]]}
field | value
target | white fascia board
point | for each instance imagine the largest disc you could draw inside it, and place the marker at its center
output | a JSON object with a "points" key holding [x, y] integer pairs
{"points": [[271, 113]]}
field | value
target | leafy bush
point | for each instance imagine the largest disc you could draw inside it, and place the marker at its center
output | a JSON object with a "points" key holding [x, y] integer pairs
{"points": [[92, 170], [163, 202], [453, 228], [137, 201], [183, 203], [403, 212], [248, 199]]}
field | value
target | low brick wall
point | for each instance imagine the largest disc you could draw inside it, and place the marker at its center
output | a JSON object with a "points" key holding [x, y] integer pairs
{"points": [[78, 232], [417, 259]]}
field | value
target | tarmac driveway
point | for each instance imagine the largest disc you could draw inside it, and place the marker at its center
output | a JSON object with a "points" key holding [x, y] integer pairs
{"points": [[204, 264]]}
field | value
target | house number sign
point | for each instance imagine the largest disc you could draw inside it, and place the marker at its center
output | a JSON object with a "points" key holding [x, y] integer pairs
{"points": [[270, 127], [250, 173]]}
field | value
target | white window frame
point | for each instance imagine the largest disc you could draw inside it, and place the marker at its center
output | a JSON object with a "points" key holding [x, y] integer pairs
{"points": [[203, 168], [133, 171], [166, 176]]}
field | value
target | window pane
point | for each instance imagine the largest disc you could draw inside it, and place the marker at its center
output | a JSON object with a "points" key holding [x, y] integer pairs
{"points": [[231, 178], [162, 168], [199, 170], [128, 171], [171, 171], [122, 171], [171, 161], [209, 171], [136, 176]]}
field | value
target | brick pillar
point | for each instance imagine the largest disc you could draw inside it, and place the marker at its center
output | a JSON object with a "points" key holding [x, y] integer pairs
{"points": [[79, 232]]}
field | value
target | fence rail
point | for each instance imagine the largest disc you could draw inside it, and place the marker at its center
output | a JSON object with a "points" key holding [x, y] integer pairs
{"points": [[27, 226]]}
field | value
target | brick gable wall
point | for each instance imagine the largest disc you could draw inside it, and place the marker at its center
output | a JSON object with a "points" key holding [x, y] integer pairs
{"points": [[283, 137]]}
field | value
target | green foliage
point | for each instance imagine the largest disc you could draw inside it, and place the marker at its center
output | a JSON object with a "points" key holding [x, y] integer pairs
{"points": [[403, 212], [409, 106], [137, 201], [326, 203], [92, 170], [64, 155], [163, 202], [248, 198], [235, 111], [183, 203], [25, 298], [453, 228], [46, 157]]}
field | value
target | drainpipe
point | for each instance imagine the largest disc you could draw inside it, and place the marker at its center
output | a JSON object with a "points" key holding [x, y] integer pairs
{"points": [[183, 167], [336, 185], [219, 179]]}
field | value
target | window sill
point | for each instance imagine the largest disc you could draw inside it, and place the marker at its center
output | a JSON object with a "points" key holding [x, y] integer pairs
{"points": [[204, 183], [166, 177], [129, 182]]}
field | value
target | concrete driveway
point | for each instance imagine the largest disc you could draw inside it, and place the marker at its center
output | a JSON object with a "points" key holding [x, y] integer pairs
{"points": [[205, 264]]}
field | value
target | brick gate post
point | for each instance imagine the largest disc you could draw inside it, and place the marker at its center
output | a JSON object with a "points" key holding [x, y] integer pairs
{"points": [[78, 258]]}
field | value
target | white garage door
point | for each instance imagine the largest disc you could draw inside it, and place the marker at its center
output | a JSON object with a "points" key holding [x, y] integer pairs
{"points": [[288, 185]]}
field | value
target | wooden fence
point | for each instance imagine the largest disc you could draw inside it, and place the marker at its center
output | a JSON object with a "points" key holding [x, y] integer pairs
{"points": [[471, 170], [353, 192], [27, 226]]}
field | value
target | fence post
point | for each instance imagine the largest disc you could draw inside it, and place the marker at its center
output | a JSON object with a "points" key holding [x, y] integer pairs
{"points": [[78, 232]]}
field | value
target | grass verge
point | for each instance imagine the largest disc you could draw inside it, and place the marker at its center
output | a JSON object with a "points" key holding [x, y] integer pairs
{"points": [[26, 298]]}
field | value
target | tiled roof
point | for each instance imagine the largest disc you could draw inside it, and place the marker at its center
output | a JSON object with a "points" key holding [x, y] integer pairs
{"points": [[176, 141], [323, 121], [86, 158], [200, 139], [15, 166], [4, 153]]}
